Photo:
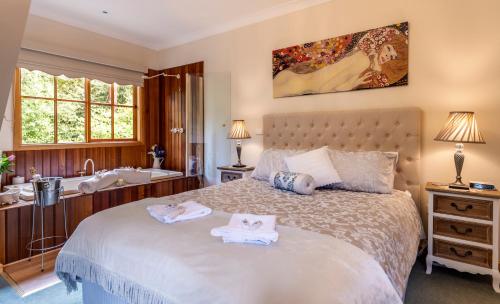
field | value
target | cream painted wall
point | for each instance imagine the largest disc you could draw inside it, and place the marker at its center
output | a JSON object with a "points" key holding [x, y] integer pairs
{"points": [[454, 65], [57, 38], [13, 15], [7, 130]]}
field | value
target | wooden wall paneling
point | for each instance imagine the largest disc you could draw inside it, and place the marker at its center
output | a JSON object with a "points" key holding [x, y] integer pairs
{"points": [[49, 220], [193, 183], [100, 201], [29, 162], [179, 185], [77, 161], [162, 189], [151, 112], [61, 162], [58, 218], [20, 163], [12, 235], [70, 162], [80, 208], [2, 237]]}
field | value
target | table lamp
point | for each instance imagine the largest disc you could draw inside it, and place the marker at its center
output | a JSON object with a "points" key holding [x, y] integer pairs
{"points": [[239, 131], [460, 128]]}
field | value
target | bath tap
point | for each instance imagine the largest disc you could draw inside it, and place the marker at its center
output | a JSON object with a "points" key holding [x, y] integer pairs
{"points": [[85, 167]]}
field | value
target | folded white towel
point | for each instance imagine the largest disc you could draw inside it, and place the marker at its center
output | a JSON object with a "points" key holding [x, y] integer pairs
{"points": [[248, 228], [169, 214], [133, 176], [98, 182]]}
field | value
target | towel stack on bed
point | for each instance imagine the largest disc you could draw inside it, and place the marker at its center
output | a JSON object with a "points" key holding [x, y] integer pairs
{"points": [[169, 214], [248, 228], [242, 228]]}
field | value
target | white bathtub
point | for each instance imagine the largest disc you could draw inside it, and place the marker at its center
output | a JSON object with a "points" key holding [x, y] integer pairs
{"points": [[71, 184]]}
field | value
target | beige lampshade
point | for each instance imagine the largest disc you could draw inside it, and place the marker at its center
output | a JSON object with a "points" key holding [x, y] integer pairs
{"points": [[239, 130], [461, 127]]}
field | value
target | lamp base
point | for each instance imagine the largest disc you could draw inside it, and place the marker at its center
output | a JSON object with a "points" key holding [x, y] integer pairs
{"points": [[458, 186], [239, 166]]}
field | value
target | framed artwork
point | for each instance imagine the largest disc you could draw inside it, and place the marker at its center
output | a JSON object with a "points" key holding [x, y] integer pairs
{"points": [[376, 58]]}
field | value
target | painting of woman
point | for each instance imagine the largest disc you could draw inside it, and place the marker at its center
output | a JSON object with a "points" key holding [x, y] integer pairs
{"points": [[371, 59]]}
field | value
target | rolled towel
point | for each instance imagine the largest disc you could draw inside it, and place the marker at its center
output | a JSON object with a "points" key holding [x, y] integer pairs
{"points": [[296, 182], [248, 228], [133, 176], [169, 213], [98, 182]]}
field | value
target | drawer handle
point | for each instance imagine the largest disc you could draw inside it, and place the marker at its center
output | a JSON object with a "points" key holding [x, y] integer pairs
{"points": [[466, 254], [464, 232], [461, 209]]}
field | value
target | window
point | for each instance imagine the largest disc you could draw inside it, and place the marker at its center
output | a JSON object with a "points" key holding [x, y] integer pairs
{"points": [[61, 110]]}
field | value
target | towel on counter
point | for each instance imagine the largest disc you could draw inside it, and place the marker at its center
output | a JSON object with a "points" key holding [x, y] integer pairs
{"points": [[133, 176], [169, 214], [98, 182], [248, 228]]}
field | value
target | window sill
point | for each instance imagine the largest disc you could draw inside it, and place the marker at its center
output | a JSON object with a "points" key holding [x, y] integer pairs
{"points": [[78, 146]]}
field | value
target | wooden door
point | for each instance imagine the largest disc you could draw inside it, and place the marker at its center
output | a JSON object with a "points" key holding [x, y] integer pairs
{"points": [[174, 109]]}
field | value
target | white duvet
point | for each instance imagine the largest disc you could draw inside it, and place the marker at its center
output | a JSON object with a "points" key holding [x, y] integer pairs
{"points": [[131, 255]]}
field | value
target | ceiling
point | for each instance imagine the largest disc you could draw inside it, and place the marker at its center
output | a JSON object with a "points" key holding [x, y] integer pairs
{"points": [[159, 24]]}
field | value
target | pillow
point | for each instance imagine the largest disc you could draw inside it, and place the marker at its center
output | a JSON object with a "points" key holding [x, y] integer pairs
{"points": [[272, 160], [290, 181], [370, 171], [316, 163]]}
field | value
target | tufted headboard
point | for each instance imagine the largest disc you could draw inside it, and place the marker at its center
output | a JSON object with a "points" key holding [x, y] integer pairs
{"points": [[359, 130]]}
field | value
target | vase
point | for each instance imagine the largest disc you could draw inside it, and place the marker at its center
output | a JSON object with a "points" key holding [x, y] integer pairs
{"points": [[157, 162]]}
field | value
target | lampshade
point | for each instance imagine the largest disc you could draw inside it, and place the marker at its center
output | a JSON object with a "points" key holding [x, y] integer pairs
{"points": [[461, 127], [239, 130]]}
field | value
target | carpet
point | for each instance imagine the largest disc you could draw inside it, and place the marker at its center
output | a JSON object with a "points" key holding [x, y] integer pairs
{"points": [[53, 295], [448, 286], [444, 286]]}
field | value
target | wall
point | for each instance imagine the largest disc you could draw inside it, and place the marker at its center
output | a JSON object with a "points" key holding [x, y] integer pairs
{"points": [[454, 65], [57, 38], [13, 15]]}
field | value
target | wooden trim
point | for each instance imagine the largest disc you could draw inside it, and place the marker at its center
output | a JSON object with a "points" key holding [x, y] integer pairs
{"points": [[93, 144], [113, 102], [56, 137], [134, 113], [50, 99], [87, 110], [437, 187], [17, 110], [89, 142]]}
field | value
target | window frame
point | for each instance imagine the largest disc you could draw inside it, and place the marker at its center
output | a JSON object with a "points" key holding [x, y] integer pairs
{"points": [[89, 141]]}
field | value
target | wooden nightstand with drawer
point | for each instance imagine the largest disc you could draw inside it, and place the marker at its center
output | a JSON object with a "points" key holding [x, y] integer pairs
{"points": [[464, 231], [230, 173]]}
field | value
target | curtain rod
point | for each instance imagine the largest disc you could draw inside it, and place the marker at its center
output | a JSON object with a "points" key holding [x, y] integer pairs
{"points": [[178, 76]]}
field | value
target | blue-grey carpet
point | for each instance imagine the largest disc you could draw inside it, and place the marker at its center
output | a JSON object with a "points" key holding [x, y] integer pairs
{"points": [[444, 286], [54, 295]]}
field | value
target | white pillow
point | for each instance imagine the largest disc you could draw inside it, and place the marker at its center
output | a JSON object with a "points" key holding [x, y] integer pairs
{"points": [[272, 160], [316, 163]]}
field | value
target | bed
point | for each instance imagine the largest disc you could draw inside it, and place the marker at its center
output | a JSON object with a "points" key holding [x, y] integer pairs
{"points": [[335, 246]]}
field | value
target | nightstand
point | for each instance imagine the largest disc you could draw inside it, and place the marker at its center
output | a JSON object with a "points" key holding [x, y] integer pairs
{"points": [[230, 173], [464, 230]]}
